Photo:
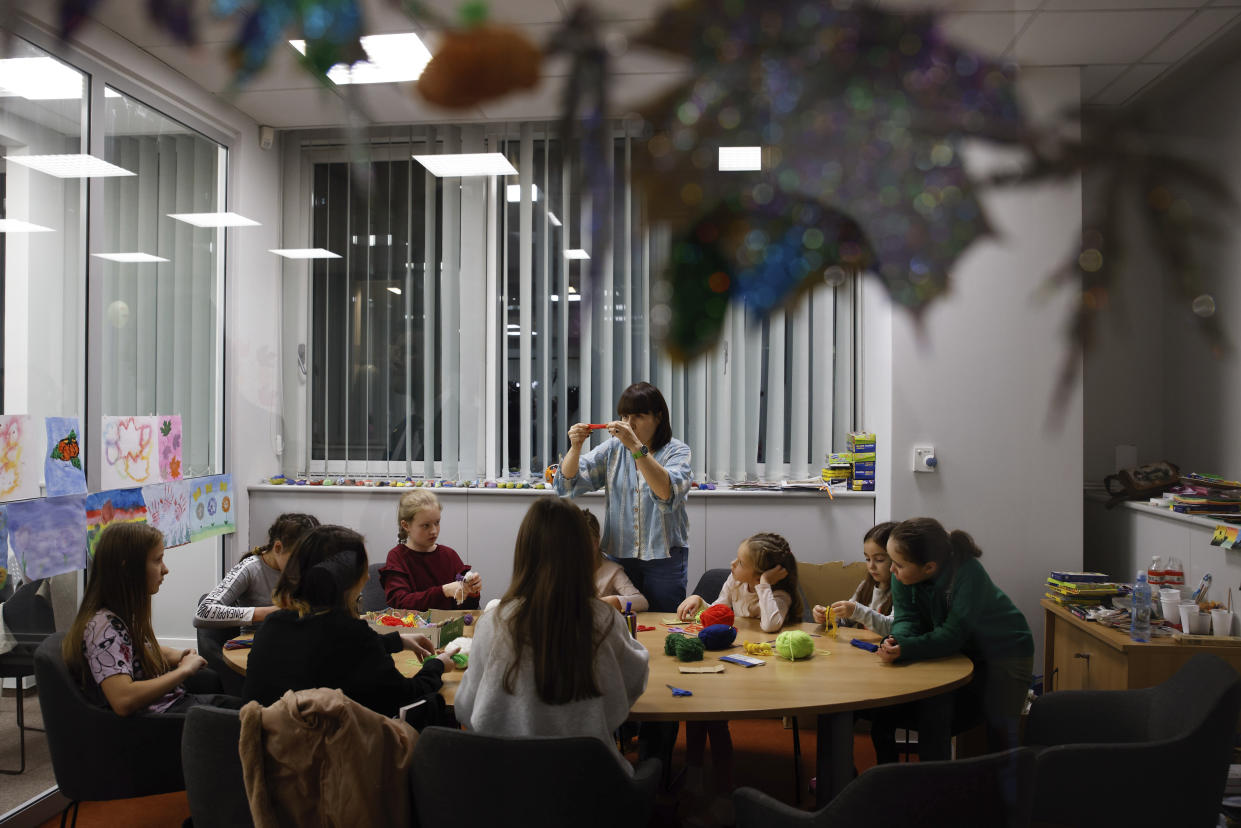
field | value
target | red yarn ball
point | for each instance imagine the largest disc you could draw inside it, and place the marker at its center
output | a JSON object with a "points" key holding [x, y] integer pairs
{"points": [[717, 614]]}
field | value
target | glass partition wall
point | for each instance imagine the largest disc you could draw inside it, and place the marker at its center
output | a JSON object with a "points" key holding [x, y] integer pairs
{"points": [[456, 336]]}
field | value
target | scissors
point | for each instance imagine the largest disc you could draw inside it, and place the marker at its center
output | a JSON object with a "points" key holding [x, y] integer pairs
{"points": [[677, 691]]}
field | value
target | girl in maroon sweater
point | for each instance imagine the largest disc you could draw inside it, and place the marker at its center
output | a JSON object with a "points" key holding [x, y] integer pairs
{"points": [[420, 573]]}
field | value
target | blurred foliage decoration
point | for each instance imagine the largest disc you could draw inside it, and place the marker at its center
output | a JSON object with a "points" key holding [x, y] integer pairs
{"points": [[861, 113]]}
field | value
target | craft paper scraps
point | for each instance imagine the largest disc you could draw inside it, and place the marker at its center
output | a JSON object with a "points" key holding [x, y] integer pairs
{"points": [[170, 447], [211, 507], [114, 506], [48, 535], [63, 473], [19, 458], [168, 510], [127, 451]]}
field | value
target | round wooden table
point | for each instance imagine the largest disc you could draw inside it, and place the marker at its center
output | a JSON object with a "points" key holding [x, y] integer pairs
{"points": [[830, 686]]}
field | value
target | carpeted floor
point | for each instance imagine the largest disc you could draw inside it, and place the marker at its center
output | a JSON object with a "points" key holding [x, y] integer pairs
{"points": [[16, 789], [763, 760]]}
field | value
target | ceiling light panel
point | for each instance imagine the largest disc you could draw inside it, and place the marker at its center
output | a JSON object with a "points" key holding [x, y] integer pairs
{"points": [[391, 58], [305, 253], [214, 219], [69, 166], [19, 226], [129, 258], [466, 164], [738, 159]]}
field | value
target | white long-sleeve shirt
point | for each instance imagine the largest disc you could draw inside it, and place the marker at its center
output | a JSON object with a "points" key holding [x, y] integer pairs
{"points": [[611, 580], [231, 604], [869, 616], [484, 706], [769, 606]]}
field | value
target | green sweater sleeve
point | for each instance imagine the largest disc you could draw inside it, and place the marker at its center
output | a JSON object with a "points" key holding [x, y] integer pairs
{"points": [[907, 622], [949, 635]]}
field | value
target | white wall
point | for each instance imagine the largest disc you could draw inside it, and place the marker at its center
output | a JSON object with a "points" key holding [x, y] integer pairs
{"points": [[977, 384]]}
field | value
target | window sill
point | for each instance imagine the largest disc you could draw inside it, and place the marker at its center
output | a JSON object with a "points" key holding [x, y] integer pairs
{"points": [[451, 491]]}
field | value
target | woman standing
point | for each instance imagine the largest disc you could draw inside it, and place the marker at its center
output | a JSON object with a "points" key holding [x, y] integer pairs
{"points": [[645, 474]]}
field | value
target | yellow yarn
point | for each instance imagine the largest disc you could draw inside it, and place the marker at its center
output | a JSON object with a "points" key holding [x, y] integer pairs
{"points": [[757, 649]]}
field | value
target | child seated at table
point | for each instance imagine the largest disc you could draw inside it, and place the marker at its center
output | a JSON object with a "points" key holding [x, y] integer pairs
{"points": [[316, 639], [552, 659], [871, 604], [111, 649], [612, 585], [420, 573], [944, 603], [762, 584]]}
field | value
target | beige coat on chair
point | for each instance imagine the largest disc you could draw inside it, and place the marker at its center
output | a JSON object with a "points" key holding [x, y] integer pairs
{"points": [[317, 758]]}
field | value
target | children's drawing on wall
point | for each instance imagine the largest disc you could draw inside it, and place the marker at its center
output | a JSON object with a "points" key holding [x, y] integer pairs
{"points": [[128, 451], [1226, 537], [211, 507], [48, 535], [168, 510], [113, 506], [170, 447], [63, 473], [19, 458]]}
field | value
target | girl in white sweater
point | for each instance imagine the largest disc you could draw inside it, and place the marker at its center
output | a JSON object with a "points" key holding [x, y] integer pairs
{"points": [[552, 659]]}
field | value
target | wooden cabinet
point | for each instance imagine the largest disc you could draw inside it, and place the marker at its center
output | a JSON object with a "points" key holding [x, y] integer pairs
{"points": [[1082, 655]]}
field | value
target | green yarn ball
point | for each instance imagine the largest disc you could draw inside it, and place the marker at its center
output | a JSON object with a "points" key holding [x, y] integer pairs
{"points": [[685, 649], [794, 644], [461, 660], [670, 643]]}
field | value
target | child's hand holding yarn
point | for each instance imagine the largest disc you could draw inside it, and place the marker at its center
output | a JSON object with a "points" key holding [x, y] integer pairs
{"points": [[889, 650], [689, 607], [473, 583], [820, 614], [774, 575], [457, 590], [844, 609]]}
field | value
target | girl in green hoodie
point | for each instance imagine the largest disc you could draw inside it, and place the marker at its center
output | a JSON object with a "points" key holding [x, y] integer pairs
{"points": [[944, 603]]}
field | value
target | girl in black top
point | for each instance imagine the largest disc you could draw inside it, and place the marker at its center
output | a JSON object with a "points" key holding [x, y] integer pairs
{"points": [[317, 640]]}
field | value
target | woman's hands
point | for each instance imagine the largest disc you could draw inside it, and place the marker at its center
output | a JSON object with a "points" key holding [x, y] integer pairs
{"points": [[418, 644], [889, 650], [579, 433], [622, 431], [774, 575], [689, 607]]}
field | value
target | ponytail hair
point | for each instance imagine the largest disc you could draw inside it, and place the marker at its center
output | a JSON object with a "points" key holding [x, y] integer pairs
{"points": [[289, 528], [771, 550], [924, 540], [878, 534], [325, 565]]}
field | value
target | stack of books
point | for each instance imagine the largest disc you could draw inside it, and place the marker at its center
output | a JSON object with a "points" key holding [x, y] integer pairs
{"points": [[1206, 494], [1080, 588], [839, 465], [862, 471]]}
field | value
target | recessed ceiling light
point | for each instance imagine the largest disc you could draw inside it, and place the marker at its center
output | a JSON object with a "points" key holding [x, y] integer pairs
{"points": [[552, 218], [513, 192], [214, 219], [395, 290], [391, 58], [305, 253], [19, 226], [466, 163], [69, 166], [40, 79], [129, 258], [573, 297], [576, 254], [737, 159]]}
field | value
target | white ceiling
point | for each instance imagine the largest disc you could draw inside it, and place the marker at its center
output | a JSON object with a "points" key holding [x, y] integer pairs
{"points": [[1122, 46]]}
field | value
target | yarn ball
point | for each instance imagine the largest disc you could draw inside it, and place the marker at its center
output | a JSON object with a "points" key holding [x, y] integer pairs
{"points": [[718, 636], [670, 643], [717, 614], [685, 649], [794, 644]]}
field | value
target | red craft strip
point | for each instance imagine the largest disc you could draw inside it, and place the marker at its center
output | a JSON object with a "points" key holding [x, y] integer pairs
{"points": [[594, 426]]}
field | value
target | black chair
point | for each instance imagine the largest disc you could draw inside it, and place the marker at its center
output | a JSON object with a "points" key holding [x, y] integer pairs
{"points": [[993, 791], [710, 584], [373, 598], [1109, 740], [28, 618], [211, 641], [214, 782], [593, 789], [129, 757]]}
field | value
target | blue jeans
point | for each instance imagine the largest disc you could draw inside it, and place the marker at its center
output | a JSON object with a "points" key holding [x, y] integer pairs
{"points": [[663, 580]]}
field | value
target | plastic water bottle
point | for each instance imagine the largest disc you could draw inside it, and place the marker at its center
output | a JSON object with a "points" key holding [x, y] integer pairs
{"points": [[1140, 617]]}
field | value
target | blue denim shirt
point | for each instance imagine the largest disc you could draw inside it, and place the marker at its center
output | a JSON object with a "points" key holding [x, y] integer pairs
{"points": [[637, 523]]}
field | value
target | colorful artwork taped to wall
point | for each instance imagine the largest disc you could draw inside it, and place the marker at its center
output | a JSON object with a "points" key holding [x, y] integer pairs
{"points": [[211, 507], [168, 510], [170, 447], [63, 472], [128, 451], [113, 506], [48, 535], [19, 458]]}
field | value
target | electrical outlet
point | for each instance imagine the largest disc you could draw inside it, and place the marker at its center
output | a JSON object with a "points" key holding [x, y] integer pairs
{"points": [[925, 460]]}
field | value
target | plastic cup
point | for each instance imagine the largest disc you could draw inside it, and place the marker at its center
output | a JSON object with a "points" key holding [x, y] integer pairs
{"points": [[1171, 611], [1193, 621], [1221, 622], [1170, 593]]}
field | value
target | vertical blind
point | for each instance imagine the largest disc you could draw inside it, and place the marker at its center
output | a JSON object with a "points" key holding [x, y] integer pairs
{"points": [[457, 336]]}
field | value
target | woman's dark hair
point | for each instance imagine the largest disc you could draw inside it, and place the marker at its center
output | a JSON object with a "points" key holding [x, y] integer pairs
{"points": [[923, 540], [324, 566], [289, 528], [879, 534], [553, 576], [644, 398]]}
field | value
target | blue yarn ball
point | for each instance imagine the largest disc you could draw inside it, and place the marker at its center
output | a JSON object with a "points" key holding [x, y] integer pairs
{"points": [[718, 636]]}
